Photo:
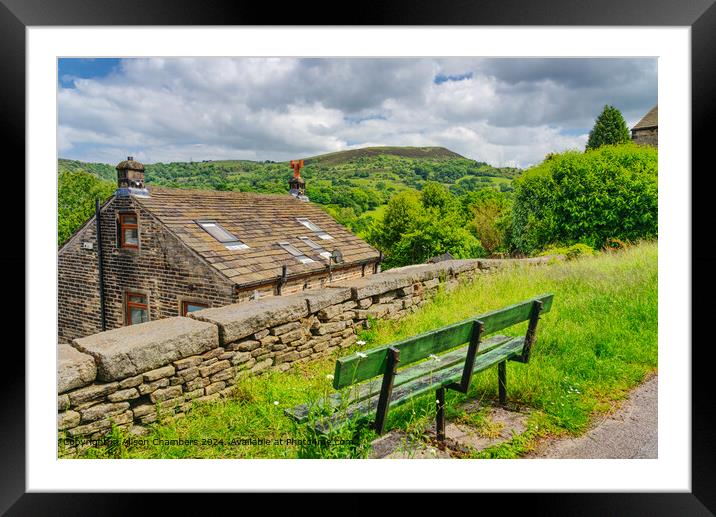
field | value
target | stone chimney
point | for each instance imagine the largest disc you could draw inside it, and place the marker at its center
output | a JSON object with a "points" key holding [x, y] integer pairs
{"points": [[130, 178], [296, 185]]}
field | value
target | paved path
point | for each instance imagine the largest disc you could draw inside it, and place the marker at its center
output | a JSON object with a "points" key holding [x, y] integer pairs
{"points": [[630, 432]]}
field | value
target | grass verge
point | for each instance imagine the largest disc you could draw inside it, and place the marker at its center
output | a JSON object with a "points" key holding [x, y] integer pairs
{"points": [[598, 342]]}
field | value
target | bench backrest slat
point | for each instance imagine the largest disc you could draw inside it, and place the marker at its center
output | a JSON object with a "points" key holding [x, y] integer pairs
{"points": [[354, 368]]}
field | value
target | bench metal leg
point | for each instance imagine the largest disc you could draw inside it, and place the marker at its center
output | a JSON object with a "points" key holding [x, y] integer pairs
{"points": [[473, 347], [440, 414], [531, 334], [502, 382], [386, 389]]}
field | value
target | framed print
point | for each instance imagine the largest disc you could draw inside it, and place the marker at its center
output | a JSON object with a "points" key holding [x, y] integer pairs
{"points": [[206, 228]]}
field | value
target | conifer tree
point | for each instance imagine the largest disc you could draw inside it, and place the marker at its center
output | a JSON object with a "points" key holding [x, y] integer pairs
{"points": [[609, 129]]}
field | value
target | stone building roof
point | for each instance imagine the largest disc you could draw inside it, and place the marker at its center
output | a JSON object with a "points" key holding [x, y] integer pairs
{"points": [[649, 120], [259, 221]]}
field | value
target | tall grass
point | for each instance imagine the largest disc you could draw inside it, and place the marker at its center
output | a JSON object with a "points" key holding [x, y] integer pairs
{"points": [[598, 341]]}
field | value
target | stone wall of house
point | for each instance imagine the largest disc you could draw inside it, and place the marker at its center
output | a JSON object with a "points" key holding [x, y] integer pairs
{"points": [[646, 136], [162, 268], [134, 375]]}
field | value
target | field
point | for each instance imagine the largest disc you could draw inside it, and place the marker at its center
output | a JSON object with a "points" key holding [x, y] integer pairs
{"points": [[599, 341]]}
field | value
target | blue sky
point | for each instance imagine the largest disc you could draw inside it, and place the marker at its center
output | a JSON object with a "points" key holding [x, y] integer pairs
{"points": [[505, 111], [69, 69]]}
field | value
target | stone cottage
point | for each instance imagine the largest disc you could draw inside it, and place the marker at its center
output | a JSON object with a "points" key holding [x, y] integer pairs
{"points": [[166, 252], [646, 131]]}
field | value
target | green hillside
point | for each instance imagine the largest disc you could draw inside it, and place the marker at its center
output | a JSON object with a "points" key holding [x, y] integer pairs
{"points": [[413, 208], [354, 185]]}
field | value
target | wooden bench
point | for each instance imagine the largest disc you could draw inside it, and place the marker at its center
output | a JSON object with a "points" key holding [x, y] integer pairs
{"points": [[377, 383]]}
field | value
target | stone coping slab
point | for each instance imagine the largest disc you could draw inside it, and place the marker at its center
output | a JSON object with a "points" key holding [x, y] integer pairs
{"points": [[318, 299], [398, 278], [530, 261], [460, 266], [390, 280], [128, 351], [239, 320], [74, 369]]}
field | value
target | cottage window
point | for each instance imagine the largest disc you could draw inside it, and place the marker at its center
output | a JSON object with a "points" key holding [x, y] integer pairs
{"points": [[187, 307], [222, 235], [128, 231], [303, 259], [136, 308], [314, 228]]}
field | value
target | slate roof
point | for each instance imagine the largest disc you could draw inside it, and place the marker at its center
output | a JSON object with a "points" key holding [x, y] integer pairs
{"points": [[260, 221], [649, 120]]}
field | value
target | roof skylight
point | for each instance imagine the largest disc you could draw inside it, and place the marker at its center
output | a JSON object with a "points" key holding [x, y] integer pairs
{"points": [[314, 228], [303, 259], [314, 245], [222, 235]]}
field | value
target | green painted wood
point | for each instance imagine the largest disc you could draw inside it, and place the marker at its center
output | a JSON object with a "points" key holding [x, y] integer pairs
{"points": [[365, 409], [355, 368], [371, 387]]}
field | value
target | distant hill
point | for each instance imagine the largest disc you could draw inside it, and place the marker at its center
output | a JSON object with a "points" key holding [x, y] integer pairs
{"points": [[432, 153], [349, 184]]}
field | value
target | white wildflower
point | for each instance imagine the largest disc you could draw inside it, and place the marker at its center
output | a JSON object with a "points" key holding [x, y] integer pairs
{"points": [[361, 355], [275, 402], [360, 342]]}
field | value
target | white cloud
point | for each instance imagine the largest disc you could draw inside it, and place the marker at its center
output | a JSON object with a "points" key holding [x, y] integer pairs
{"points": [[504, 112]]}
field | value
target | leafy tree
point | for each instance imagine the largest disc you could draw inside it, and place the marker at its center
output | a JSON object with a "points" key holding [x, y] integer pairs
{"points": [[433, 237], [417, 226], [609, 129], [435, 195], [76, 194], [401, 216]]}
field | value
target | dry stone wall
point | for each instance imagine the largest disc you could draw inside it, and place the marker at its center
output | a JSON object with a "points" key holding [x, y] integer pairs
{"points": [[131, 376]]}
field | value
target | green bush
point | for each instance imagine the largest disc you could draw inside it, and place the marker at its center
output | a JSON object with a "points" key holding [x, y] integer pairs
{"points": [[570, 252], [608, 193]]}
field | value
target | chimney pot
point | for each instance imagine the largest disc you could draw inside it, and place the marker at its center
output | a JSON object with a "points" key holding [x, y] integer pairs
{"points": [[130, 178], [297, 185]]}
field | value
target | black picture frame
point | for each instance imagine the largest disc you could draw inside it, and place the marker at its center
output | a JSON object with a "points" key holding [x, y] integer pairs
{"points": [[700, 15]]}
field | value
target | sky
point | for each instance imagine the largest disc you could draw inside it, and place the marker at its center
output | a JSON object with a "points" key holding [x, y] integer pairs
{"points": [[503, 111]]}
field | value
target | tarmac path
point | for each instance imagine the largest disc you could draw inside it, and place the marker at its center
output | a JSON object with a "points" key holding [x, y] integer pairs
{"points": [[629, 432]]}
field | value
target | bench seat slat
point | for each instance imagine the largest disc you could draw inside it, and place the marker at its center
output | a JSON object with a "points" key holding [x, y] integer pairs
{"points": [[404, 393], [353, 369], [372, 387]]}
